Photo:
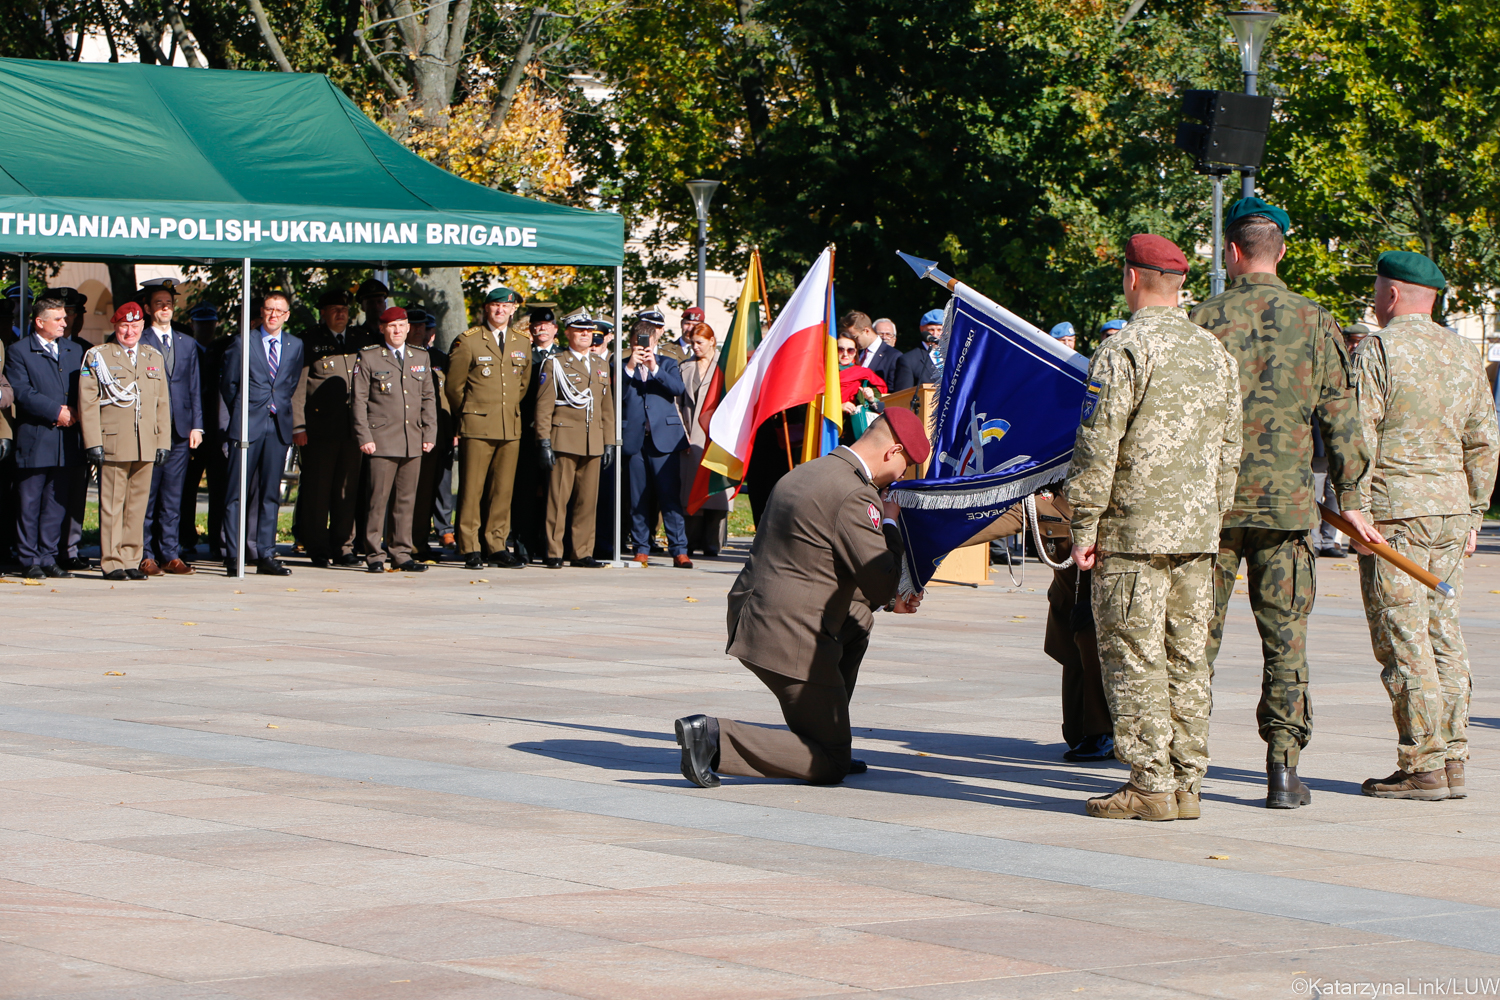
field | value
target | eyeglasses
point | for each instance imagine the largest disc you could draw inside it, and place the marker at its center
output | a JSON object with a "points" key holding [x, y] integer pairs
{"points": [[846, 350], [275, 312]]}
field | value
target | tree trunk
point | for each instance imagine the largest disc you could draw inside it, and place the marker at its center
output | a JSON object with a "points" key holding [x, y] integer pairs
{"points": [[122, 282], [443, 289]]}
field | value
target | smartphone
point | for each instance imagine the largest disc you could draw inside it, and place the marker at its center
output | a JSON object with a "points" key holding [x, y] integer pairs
{"points": [[643, 340]]}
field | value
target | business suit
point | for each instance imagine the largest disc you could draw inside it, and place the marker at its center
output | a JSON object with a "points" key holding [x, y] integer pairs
{"points": [[44, 452], [268, 435], [651, 438], [915, 368], [800, 614], [882, 362], [183, 356]]}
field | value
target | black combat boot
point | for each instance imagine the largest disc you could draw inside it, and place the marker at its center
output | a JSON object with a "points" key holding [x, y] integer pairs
{"points": [[1284, 790]]}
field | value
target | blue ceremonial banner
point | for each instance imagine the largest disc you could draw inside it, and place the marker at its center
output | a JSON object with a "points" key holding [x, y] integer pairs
{"points": [[1008, 409]]}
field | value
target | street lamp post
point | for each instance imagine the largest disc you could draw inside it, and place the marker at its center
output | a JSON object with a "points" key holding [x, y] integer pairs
{"points": [[703, 193], [1250, 30]]}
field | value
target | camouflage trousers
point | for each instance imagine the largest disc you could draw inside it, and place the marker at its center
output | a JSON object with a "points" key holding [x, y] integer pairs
{"points": [[1415, 634], [1151, 613], [1279, 578]]}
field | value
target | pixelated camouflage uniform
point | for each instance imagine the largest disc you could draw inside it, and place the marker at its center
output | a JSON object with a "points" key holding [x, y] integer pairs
{"points": [[1294, 369], [1429, 421], [1153, 473]]}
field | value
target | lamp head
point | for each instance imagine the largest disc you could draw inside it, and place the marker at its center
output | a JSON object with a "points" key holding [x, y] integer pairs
{"points": [[703, 193], [1250, 29]]}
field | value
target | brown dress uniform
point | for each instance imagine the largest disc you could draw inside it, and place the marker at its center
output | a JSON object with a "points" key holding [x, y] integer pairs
{"points": [[488, 371], [130, 436], [800, 615], [394, 407], [579, 435], [329, 487]]}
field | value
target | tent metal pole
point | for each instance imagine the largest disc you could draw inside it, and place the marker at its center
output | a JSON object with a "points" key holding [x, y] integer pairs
{"points": [[619, 397], [24, 297], [244, 442]]}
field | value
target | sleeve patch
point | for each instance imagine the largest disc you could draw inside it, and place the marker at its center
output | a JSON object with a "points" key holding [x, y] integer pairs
{"points": [[1091, 399], [874, 513]]}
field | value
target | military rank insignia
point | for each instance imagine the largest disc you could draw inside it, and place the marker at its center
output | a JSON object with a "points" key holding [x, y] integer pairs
{"points": [[1091, 401], [874, 513]]}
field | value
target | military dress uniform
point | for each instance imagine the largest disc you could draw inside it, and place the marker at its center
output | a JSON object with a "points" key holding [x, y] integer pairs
{"points": [[328, 491], [1294, 374], [488, 371], [1153, 473], [131, 419], [528, 505], [1429, 420], [575, 415], [394, 407]]}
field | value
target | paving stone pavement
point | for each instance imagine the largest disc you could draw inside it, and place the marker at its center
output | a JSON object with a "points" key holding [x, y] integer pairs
{"points": [[464, 785]]}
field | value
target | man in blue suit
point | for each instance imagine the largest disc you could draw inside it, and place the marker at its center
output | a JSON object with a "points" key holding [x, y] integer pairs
{"points": [[163, 533], [651, 438], [43, 370], [275, 369]]}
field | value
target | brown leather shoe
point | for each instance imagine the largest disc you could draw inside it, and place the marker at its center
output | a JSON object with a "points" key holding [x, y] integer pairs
{"points": [[178, 568], [1188, 806], [149, 567], [1428, 785], [1130, 802], [682, 562], [1456, 789], [448, 540], [641, 558]]}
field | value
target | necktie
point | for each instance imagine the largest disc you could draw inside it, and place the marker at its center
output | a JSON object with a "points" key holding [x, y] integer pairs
{"points": [[130, 353], [168, 351], [273, 362], [399, 355]]}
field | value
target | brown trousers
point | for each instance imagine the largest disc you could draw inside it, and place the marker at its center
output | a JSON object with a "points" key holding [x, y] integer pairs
{"points": [[578, 476], [818, 747], [124, 490], [1085, 710], [327, 495], [487, 473], [393, 486]]}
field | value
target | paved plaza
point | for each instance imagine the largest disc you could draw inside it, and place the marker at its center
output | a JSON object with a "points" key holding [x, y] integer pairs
{"points": [[464, 785]]}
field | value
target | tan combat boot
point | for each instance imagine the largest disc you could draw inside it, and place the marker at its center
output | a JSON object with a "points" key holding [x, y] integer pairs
{"points": [[1428, 785], [1456, 790], [1188, 806], [1130, 802]]}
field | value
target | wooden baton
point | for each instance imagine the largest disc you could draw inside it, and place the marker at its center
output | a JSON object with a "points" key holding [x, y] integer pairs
{"points": [[1389, 554]]}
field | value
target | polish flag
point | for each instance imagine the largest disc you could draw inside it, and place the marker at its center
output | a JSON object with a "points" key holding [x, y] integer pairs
{"points": [[788, 369]]}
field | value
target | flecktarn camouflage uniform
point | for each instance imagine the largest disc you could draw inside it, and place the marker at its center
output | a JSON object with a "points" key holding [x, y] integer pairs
{"points": [[1293, 369], [1153, 472], [1429, 420]]}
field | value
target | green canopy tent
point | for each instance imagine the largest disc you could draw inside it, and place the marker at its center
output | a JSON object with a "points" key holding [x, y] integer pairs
{"points": [[103, 161]]}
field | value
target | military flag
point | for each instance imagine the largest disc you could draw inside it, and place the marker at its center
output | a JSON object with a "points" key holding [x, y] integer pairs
{"points": [[1008, 410], [789, 368], [719, 471]]}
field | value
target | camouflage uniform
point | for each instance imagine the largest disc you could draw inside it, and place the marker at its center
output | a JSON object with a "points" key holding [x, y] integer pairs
{"points": [[1429, 420], [1294, 369], [1153, 473]]}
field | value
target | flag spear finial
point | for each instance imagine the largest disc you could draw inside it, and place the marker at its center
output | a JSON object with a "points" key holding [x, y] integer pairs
{"points": [[928, 269]]}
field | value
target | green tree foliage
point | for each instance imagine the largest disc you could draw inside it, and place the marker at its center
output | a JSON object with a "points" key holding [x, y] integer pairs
{"points": [[1388, 137]]}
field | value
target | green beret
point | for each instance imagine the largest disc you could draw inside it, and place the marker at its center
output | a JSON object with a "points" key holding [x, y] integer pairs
{"points": [[1255, 206], [502, 294], [1413, 268]]}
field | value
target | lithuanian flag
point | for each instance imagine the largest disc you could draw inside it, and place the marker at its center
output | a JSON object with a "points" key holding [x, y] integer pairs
{"points": [[719, 471]]}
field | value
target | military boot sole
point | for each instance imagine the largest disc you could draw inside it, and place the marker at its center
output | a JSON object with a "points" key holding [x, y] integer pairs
{"points": [[1421, 794], [1111, 807], [1288, 800]]}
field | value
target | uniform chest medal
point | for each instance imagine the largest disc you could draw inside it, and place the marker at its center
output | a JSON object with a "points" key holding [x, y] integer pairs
{"points": [[327, 364], [874, 513], [485, 370], [418, 369], [517, 356]]}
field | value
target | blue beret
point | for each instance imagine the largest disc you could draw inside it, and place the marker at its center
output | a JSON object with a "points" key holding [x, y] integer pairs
{"points": [[207, 312], [1403, 265], [1061, 330], [930, 317], [1112, 324], [1255, 206]]}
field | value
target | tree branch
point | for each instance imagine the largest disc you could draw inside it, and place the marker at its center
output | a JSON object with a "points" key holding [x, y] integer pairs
{"points": [[507, 95], [268, 35], [184, 37], [1130, 13], [397, 87]]}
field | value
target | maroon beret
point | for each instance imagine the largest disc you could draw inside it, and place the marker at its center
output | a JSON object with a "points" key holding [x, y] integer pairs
{"points": [[130, 312], [1155, 252], [909, 432], [392, 314]]}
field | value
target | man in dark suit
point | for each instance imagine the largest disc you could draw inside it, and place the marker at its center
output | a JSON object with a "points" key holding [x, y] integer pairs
{"points": [[275, 370], [651, 438], [43, 372], [826, 557], [922, 365], [162, 553], [874, 353], [79, 476]]}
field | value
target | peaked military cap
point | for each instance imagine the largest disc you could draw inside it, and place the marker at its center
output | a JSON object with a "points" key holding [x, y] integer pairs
{"points": [[333, 297], [417, 317], [1412, 268], [205, 312], [652, 316], [543, 315], [503, 294], [13, 293], [369, 288], [579, 319], [165, 284], [1246, 207]]}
